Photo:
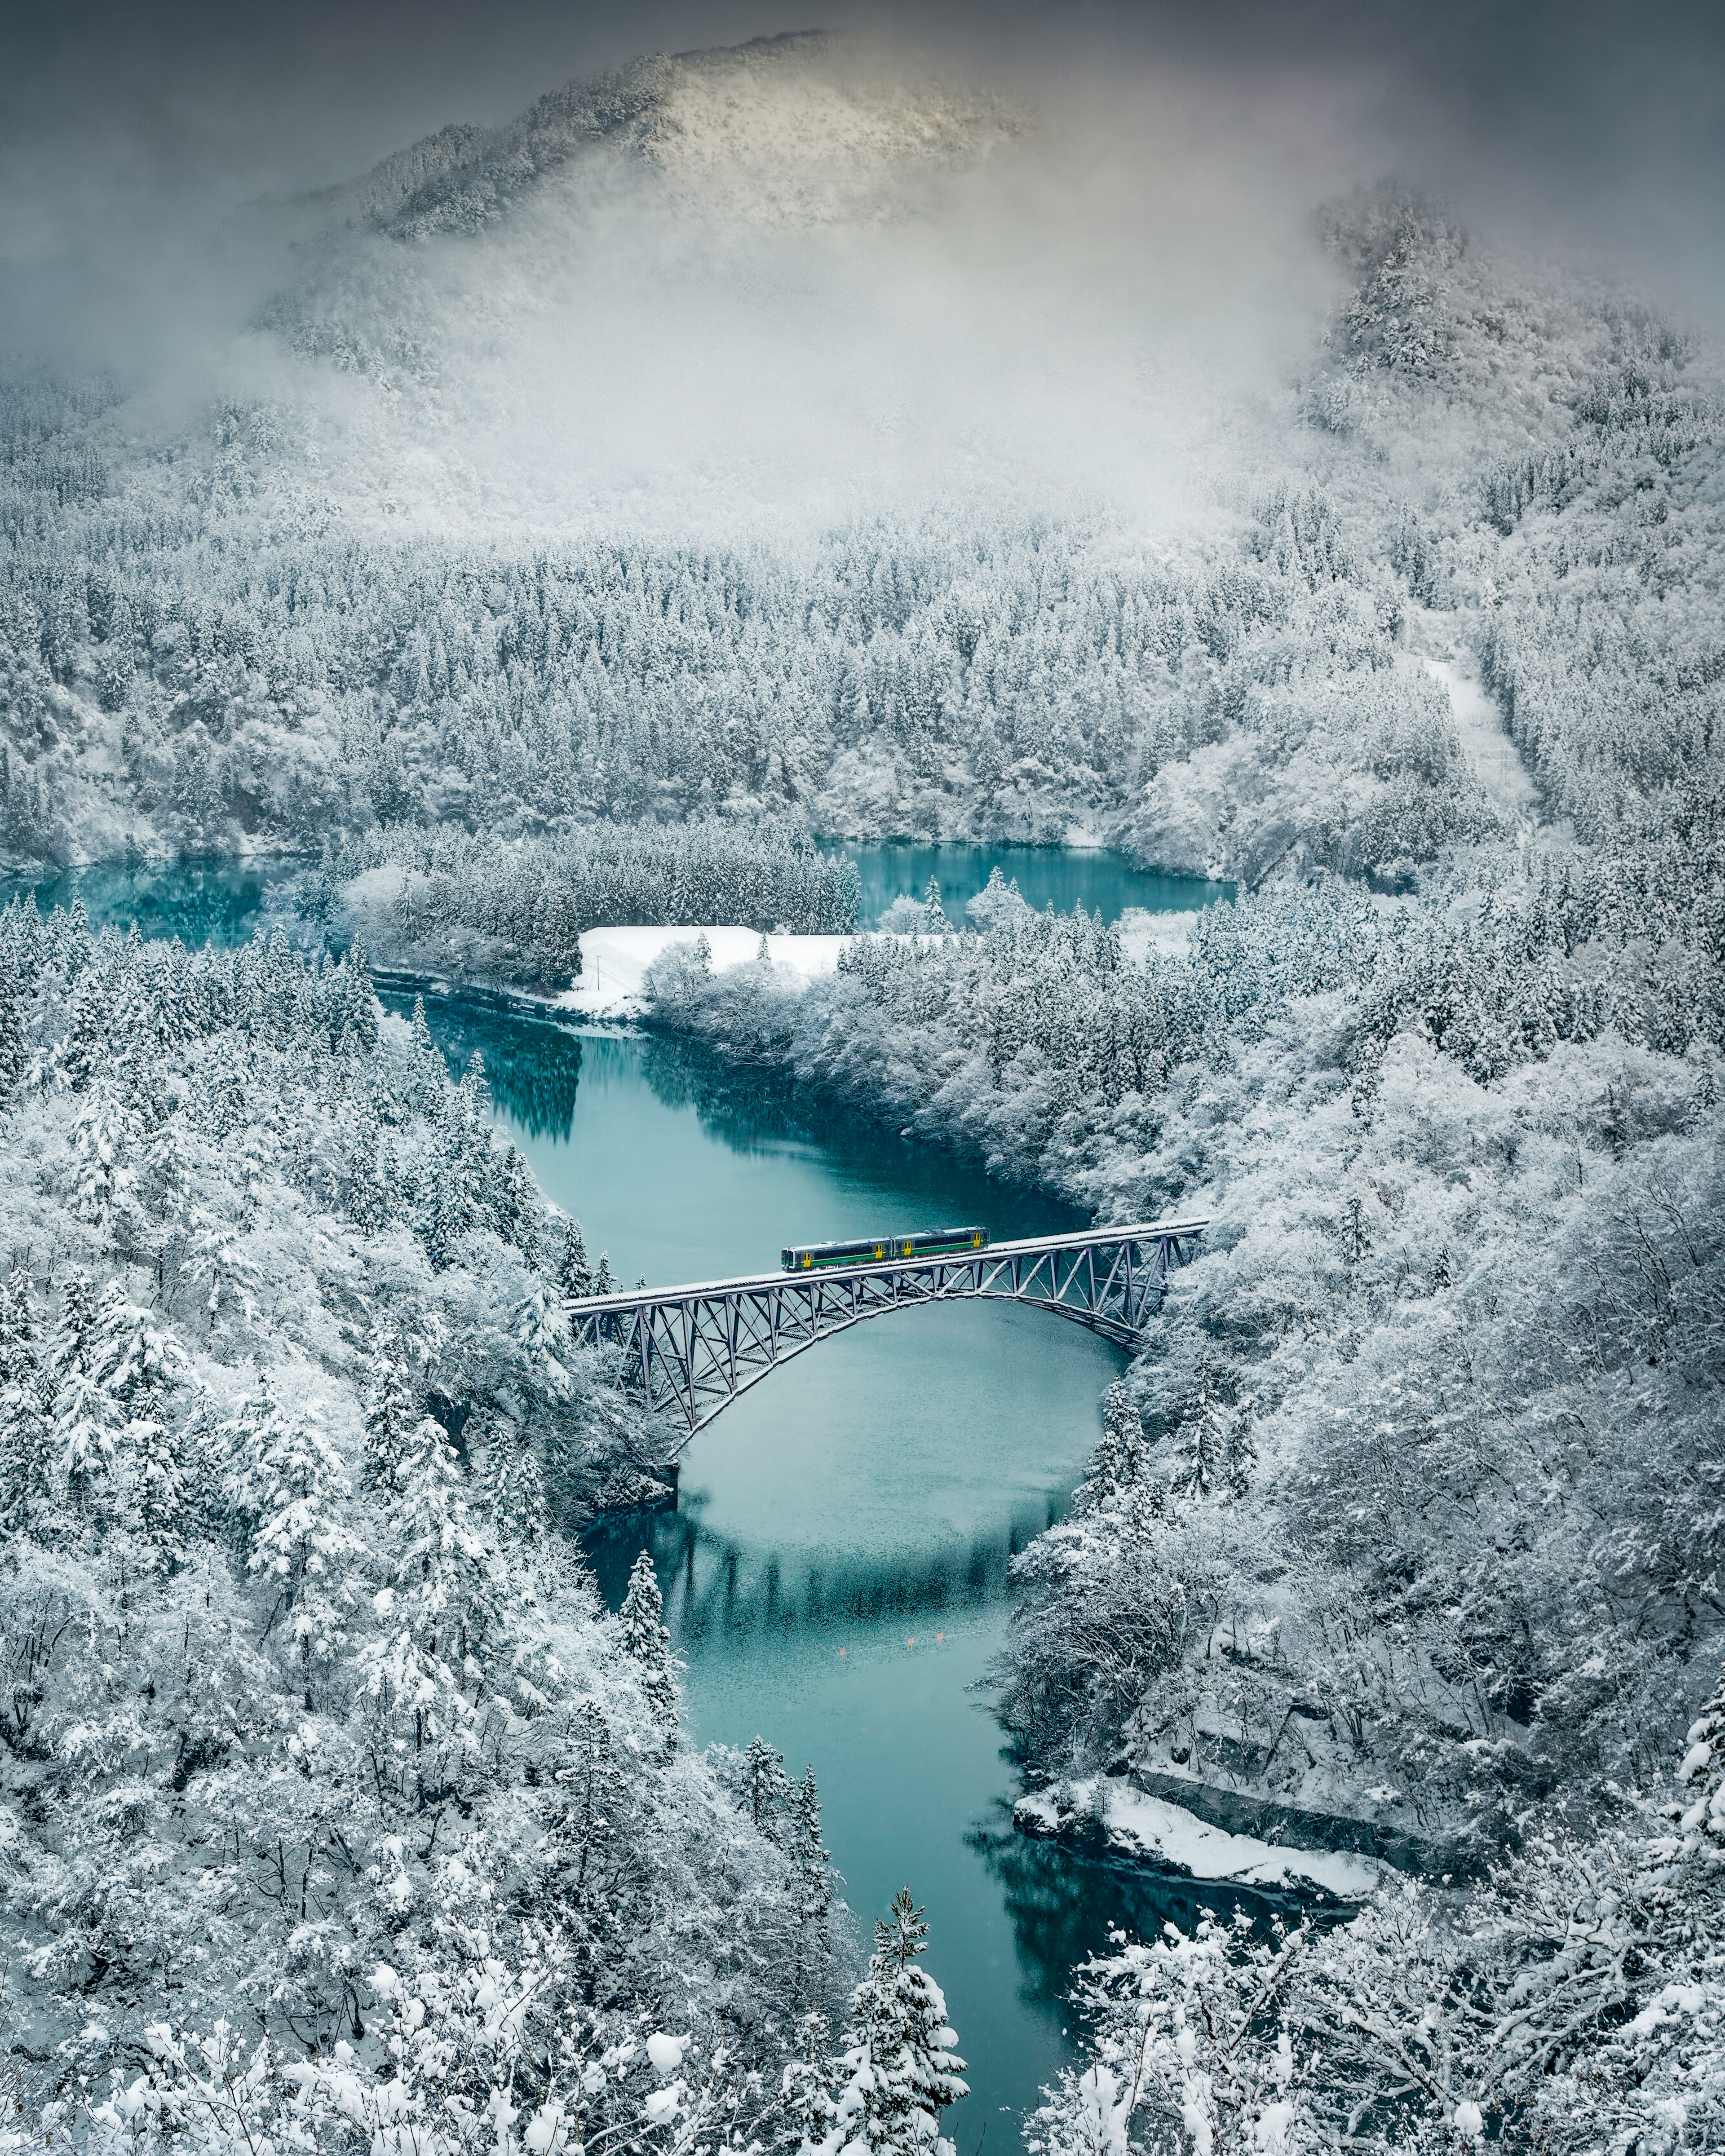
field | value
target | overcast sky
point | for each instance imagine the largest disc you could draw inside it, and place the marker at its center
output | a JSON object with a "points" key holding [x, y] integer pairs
{"points": [[127, 132]]}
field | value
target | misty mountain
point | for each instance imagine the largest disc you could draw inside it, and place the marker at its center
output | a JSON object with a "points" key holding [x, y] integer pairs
{"points": [[716, 438], [801, 114]]}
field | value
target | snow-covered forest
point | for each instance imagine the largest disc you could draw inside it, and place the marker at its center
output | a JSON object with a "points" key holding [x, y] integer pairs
{"points": [[193, 655], [442, 901], [331, 1792], [1405, 1532], [335, 1811]]}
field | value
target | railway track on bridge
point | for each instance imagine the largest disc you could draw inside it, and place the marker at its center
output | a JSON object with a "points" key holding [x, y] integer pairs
{"points": [[688, 1351]]}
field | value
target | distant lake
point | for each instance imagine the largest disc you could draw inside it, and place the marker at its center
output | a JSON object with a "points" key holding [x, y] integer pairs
{"points": [[1060, 877], [221, 902], [201, 903]]}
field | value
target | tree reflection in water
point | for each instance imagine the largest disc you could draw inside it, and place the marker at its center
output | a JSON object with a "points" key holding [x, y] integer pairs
{"points": [[532, 1063], [717, 1590], [1063, 1902]]}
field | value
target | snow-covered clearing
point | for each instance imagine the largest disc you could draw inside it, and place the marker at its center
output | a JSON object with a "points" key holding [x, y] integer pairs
{"points": [[1142, 932], [614, 962], [1148, 1827], [1495, 758]]}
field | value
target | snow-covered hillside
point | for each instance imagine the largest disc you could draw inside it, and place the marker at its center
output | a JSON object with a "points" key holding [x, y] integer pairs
{"points": [[800, 127], [695, 444]]}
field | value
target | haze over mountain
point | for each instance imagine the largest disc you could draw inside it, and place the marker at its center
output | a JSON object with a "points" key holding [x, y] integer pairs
{"points": [[807, 425], [799, 277]]}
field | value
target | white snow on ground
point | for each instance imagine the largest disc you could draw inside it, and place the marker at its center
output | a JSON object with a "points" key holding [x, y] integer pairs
{"points": [[1142, 932], [614, 962], [1493, 755], [1144, 1826]]}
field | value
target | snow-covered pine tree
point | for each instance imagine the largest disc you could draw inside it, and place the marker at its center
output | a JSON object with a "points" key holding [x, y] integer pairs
{"points": [[1207, 1447], [516, 1485], [514, 1201], [360, 1025], [135, 1363], [602, 1282], [85, 1417], [428, 1064], [812, 1877], [444, 1597], [645, 1638], [369, 1171], [765, 1786], [805, 2089], [14, 1047], [27, 1446], [391, 1414], [898, 2074], [289, 1491], [574, 1274], [104, 1137], [1120, 1456]]}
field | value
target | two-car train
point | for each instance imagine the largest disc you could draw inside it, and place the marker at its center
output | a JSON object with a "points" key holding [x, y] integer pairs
{"points": [[925, 1243]]}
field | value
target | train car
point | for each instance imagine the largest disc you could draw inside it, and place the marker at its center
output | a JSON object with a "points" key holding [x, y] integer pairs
{"points": [[925, 1243]]}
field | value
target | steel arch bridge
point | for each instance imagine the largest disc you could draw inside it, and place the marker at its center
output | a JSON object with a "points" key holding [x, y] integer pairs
{"points": [[688, 1352]]}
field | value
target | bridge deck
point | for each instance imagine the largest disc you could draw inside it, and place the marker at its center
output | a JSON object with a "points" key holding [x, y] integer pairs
{"points": [[587, 1305], [692, 1350]]}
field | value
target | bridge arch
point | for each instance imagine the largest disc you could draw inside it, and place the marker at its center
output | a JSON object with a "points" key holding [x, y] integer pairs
{"points": [[688, 1352]]}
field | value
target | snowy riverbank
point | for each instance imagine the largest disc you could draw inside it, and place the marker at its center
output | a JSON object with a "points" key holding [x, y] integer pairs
{"points": [[615, 962], [1147, 1829]]}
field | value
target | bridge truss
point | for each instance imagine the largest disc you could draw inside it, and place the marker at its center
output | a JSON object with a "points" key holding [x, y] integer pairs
{"points": [[688, 1352]]}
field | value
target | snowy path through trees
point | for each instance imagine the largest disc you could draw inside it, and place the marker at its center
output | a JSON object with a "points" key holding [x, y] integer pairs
{"points": [[1495, 759]]}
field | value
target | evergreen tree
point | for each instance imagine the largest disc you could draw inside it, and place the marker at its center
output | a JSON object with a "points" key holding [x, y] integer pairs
{"points": [[811, 1883], [574, 1275], [14, 1046], [446, 1574], [897, 2076], [134, 1363], [427, 1063], [645, 1638], [515, 1202], [360, 1001], [158, 1498], [27, 1445], [289, 1491], [765, 1786], [104, 1138], [1120, 1458], [370, 1171], [392, 1413], [805, 2090], [602, 1283], [517, 1487], [1210, 1451], [85, 1417]]}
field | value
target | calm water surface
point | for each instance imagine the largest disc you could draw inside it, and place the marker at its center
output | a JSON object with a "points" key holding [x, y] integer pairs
{"points": [[218, 902], [222, 901], [1062, 876]]}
